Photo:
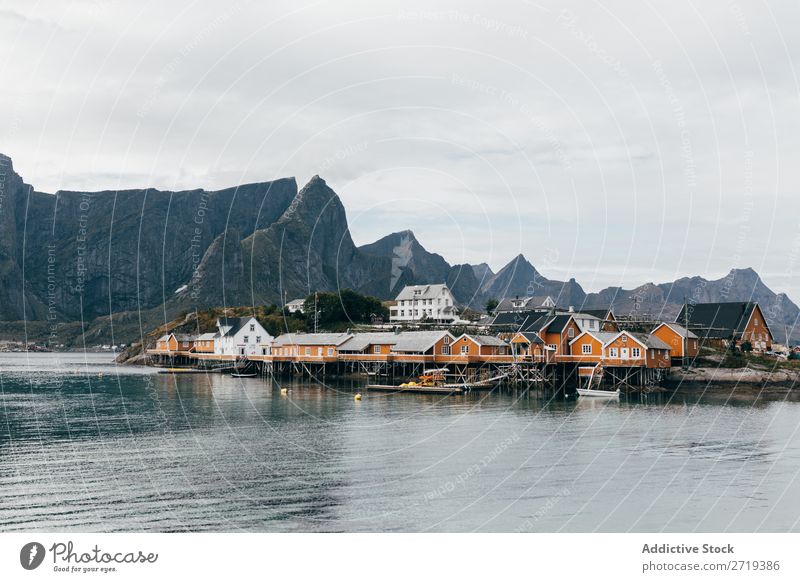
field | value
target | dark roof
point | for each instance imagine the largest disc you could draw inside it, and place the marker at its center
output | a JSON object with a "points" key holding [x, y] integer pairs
{"points": [[598, 313], [718, 320], [235, 323], [558, 323], [520, 320]]}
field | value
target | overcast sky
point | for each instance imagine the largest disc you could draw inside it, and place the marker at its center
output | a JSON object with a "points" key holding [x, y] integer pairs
{"points": [[616, 142]]}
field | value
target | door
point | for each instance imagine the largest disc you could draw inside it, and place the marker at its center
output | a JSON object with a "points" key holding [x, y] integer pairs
{"points": [[623, 353]]}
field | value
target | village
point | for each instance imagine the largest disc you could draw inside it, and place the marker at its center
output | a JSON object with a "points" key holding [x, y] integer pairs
{"points": [[527, 341]]}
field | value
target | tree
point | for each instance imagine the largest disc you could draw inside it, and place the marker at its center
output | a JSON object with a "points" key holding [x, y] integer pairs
{"points": [[469, 314], [491, 305], [335, 310]]}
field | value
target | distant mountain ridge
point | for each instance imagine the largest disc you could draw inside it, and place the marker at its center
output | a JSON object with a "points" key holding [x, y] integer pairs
{"points": [[84, 255]]}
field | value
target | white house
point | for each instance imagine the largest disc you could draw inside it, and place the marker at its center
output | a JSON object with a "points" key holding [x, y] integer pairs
{"points": [[240, 336], [527, 303], [296, 305], [586, 321], [433, 302]]}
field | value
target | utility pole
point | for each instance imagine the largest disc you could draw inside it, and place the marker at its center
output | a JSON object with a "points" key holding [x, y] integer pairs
{"points": [[316, 312], [686, 332]]}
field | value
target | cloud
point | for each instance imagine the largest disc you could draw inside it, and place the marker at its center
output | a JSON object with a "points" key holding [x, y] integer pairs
{"points": [[630, 138]]}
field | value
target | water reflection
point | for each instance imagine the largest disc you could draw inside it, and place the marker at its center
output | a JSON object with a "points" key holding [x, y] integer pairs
{"points": [[144, 451]]}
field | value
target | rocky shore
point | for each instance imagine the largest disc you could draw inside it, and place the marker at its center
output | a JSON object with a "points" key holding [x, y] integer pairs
{"points": [[745, 378]]}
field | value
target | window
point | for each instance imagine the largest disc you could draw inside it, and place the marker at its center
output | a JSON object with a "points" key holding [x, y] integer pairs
{"points": [[445, 350], [258, 339], [464, 350], [636, 352], [694, 343], [376, 349], [447, 340], [552, 346], [586, 348], [252, 327], [613, 353], [308, 351], [570, 333], [330, 351], [755, 322], [247, 339], [319, 352]]}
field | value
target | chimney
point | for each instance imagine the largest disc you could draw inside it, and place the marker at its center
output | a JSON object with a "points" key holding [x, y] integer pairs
{"points": [[571, 309]]}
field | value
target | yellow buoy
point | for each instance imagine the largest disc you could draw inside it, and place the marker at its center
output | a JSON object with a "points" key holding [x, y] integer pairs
{"points": [[357, 397], [284, 390]]}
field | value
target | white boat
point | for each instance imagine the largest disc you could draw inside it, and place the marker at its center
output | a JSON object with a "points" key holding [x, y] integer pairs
{"points": [[598, 393]]}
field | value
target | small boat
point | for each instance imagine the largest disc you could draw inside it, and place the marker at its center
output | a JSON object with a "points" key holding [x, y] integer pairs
{"points": [[433, 382], [243, 375], [598, 393], [181, 371]]}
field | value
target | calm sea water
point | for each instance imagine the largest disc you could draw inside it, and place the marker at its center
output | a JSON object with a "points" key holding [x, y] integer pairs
{"points": [[87, 445]]}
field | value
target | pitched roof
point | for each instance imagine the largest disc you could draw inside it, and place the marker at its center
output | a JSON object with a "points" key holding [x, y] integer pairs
{"points": [[487, 340], [233, 323], [360, 341], [532, 337], [421, 292], [184, 337], [418, 341], [718, 320], [521, 320], [164, 337], [207, 336], [558, 323], [598, 313], [312, 339], [650, 341], [679, 329], [602, 336]]}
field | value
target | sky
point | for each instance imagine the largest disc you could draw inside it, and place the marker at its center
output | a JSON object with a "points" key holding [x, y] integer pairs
{"points": [[619, 143]]}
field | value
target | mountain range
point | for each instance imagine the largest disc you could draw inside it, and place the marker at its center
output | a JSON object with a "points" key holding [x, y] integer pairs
{"points": [[142, 256]]}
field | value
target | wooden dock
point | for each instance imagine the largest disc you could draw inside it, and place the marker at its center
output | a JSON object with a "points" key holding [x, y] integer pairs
{"points": [[445, 389]]}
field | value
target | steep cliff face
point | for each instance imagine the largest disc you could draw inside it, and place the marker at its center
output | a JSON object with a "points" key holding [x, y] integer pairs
{"points": [[664, 300], [410, 262], [520, 278], [309, 248], [87, 254]]}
